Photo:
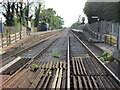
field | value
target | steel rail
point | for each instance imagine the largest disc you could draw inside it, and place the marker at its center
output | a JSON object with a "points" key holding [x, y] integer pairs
{"points": [[33, 59], [115, 77], [68, 65]]}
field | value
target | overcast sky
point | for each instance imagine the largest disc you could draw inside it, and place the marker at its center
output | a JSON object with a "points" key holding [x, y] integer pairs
{"points": [[69, 10]]}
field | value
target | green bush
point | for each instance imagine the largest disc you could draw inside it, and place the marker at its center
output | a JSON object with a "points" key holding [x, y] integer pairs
{"points": [[104, 54], [109, 58], [102, 59]]}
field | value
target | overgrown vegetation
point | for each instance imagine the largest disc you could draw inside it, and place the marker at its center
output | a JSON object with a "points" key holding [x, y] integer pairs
{"points": [[34, 67], [87, 56], [107, 57], [32, 81]]}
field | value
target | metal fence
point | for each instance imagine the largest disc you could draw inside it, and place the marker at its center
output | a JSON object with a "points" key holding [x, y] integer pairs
{"points": [[105, 38]]}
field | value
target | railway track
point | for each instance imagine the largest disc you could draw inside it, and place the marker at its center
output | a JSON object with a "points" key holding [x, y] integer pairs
{"points": [[87, 71], [74, 66], [50, 74], [28, 43], [113, 66], [23, 56]]}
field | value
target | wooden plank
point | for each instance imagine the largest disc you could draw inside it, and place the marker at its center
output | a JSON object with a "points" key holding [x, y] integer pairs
{"points": [[59, 79], [84, 70], [91, 67], [42, 82], [105, 82], [50, 65], [55, 79], [61, 64], [85, 82], [57, 64], [94, 82], [46, 82], [38, 78], [80, 67], [54, 64], [80, 83], [100, 83], [64, 80], [9, 64], [73, 65], [16, 79], [52, 78], [89, 81], [47, 63], [77, 68], [109, 82], [74, 82], [87, 68], [98, 68], [94, 65], [64, 66]]}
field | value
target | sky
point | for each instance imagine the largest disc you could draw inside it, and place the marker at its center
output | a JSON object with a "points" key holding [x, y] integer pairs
{"points": [[69, 10]]}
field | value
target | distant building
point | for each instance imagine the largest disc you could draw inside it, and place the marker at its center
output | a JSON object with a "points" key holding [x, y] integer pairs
{"points": [[43, 27]]}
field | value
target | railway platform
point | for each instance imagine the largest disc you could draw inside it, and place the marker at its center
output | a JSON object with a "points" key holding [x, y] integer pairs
{"points": [[106, 47]]}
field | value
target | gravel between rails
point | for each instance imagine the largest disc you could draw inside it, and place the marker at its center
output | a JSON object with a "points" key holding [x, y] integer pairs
{"points": [[32, 52], [96, 50], [59, 48], [77, 49]]}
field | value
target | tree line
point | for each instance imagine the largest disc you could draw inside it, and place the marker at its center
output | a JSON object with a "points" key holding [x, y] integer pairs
{"points": [[103, 10], [19, 13]]}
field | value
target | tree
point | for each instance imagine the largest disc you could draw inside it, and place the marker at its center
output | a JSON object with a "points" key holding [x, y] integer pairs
{"points": [[74, 25], [104, 10], [9, 14], [49, 16], [37, 15]]}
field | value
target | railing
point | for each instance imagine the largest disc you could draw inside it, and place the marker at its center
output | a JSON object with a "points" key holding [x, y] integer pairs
{"points": [[11, 39], [105, 38]]}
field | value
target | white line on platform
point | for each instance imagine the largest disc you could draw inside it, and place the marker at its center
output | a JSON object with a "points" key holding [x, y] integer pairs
{"points": [[9, 64]]}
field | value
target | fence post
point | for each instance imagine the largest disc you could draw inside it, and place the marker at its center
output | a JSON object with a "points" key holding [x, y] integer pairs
{"points": [[9, 39], [20, 34], [105, 39], [110, 41], [15, 37]]}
